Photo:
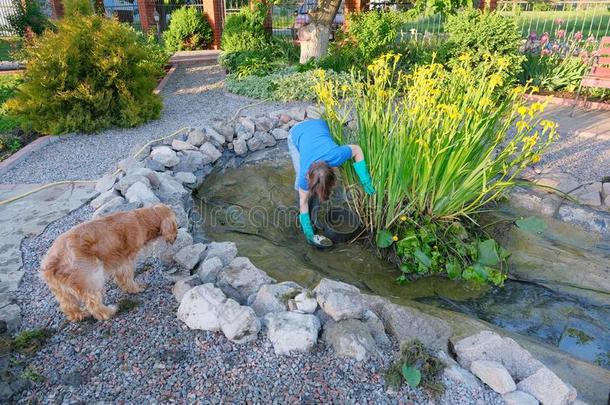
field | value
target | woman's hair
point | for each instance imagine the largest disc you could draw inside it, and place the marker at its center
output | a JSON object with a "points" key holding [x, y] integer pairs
{"points": [[321, 179]]}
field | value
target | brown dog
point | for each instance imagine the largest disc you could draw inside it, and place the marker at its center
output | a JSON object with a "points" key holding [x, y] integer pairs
{"points": [[76, 265]]}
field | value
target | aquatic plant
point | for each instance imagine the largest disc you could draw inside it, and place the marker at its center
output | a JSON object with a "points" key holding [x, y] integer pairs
{"points": [[441, 145]]}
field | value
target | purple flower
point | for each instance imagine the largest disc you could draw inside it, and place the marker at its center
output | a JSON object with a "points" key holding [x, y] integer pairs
{"points": [[533, 36], [577, 36], [561, 33]]}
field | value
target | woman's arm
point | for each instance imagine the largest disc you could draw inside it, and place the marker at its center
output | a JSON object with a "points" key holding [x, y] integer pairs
{"points": [[303, 201], [357, 153]]}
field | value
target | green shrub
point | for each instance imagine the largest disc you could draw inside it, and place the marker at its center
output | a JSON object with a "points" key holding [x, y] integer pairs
{"points": [[374, 31], [483, 35], [27, 14], [91, 74], [244, 31], [279, 53], [8, 87], [440, 144], [188, 30], [74, 8], [261, 87]]}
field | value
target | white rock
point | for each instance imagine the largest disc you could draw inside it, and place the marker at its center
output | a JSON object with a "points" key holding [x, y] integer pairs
{"points": [[140, 193], [196, 137], [274, 297], [238, 323], [306, 302], [152, 176], [108, 207], [290, 331], [279, 133], [340, 300], [103, 198], [210, 153], [105, 183], [494, 375], [179, 145], [266, 138], [183, 285], [129, 164], [241, 278], [209, 268], [171, 191], [350, 338], [217, 139], [240, 147], [165, 155], [190, 161], [461, 376], [129, 180], [546, 387], [519, 398], [164, 251], [225, 251], [199, 307], [189, 256], [185, 177]]}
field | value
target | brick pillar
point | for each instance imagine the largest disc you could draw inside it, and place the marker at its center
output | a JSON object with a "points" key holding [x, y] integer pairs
{"points": [[215, 12], [355, 6], [146, 9], [488, 4], [57, 8]]}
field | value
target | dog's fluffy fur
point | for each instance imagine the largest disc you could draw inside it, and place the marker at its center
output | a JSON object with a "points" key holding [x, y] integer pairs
{"points": [[76, 265]]}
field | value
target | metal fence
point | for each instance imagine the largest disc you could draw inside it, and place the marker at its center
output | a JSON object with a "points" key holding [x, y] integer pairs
{"points": [[422, 28], [125, 11], [284, 14], [165, 8], [233, 6], [590, 18], [7, 8]]}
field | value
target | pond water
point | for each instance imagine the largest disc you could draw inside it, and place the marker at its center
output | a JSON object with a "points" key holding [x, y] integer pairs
{"points": [[255, 206]]}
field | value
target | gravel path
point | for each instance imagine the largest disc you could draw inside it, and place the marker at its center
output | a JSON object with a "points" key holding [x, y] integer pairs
{"points": [[192, 98], [147, 356]]}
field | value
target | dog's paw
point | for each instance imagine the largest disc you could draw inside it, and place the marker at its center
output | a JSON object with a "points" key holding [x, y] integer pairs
{"points": [[106, 313], [136, 288], [77, 316]]}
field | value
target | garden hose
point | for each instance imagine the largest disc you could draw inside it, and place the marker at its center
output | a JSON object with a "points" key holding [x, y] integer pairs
{"points": [[57, 183]]}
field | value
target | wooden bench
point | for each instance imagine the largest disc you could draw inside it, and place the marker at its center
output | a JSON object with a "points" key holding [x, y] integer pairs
{"points": [[599, 75]]}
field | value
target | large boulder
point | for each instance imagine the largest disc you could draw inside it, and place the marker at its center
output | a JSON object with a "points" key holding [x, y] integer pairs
{"points": [[255, 143], [494, 375], [189, 256], [210, 153], [546, 387], [274, 297], [305, 302], [225, 251], [350, 338], [247, 125], [241, 278], [103, 198], [164, 251], [105, 183], [140, 193], [151, 175], [263, 124], [279, 133], [340, 300], [238, 323], [377, 329], [196, 137], [214, 137], [209, 268], [240, 147], [183, 285], [179, 145], [170, 190], [487, 345], [225, 130], [117, 204], [291, 331], [164, 155], [129, 180], [267, 140], [190, 161], [199, 308], [519, 398], [407, 324]]}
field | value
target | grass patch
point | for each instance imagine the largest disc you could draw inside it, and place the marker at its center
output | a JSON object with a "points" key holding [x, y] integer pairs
{"points": [[8, 87], [127, 304], [415, 357], [30, 341], [31, 374]]}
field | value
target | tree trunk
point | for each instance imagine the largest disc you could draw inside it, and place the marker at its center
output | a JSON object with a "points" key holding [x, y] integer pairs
{"points": [[314, 41]]}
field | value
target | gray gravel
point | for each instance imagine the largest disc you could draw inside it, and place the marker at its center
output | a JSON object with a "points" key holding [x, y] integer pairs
{"points": [[147, 356], [193, 97]]}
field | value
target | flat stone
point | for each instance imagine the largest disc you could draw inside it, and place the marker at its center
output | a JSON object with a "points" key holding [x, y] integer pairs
{"points": [[129, 164], [189, 256], [279, 133], [10, 318], [178, 145], [339, 300], [247, 124], [546, 387], [209, 268], [238, 323], [117, 204], [406, 324], [210, 153], [350, 338], [306, 302], [314, 112], [147, 173], [165, 155], [129, 180], [241, 278], [377, 329], [190, 161], [140, 193], [154, 165], [240, 147], [225, 251], [494, 375], [274, 297], [263, 124], [105, 183], [297, 113], [292, 332], [185, 177], [255, 143], [103, 198], [589, 194], [266, 138], [487, 345], [183, 285], [200, 306], [519, 398], [196, 137], [459, 375], [215, 138]]}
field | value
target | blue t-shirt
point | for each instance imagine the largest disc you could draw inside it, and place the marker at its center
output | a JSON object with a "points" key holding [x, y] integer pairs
{"points": [[313, 140]]}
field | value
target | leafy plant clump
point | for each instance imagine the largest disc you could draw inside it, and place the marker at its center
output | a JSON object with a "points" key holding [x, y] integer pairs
{"points": [[417, 366], [440, 144], [27, 15], [30, 341], [244, 31], [188, 30], [91, 74]]}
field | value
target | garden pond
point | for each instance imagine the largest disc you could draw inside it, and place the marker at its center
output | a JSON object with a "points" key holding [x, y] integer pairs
{"points": [[254, 206]]}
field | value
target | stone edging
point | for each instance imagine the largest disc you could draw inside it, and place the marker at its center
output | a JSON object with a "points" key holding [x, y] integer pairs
{"points": [[589, 105], [165, 79], [24, 152], [221, 292]]}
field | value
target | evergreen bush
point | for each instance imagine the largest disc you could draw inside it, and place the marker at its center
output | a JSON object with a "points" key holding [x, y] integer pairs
{"points": [[188, 30]]}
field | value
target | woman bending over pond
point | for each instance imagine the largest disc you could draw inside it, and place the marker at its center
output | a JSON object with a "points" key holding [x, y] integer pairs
{"points": [[314, 153]]}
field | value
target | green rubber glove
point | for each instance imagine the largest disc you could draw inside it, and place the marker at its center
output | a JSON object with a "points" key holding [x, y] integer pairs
{"points": [[365, 178], [306, 226]]}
